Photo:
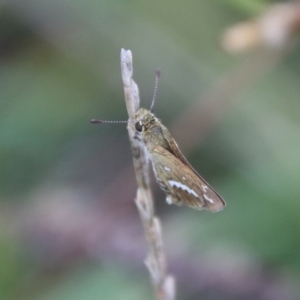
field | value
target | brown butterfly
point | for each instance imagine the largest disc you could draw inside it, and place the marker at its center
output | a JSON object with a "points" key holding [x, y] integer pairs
{"points": [[176, 177]]}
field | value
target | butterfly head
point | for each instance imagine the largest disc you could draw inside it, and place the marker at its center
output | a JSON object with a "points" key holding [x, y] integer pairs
{"points": [[144, 120]]}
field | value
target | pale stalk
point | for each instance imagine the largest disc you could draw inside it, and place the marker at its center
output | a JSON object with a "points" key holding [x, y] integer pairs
{"points": [[164, 284]]}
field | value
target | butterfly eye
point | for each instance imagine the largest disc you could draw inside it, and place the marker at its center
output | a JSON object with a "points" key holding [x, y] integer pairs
{"points": [[138, 126]]}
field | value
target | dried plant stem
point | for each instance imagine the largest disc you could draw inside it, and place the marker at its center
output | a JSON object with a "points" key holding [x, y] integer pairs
{"points": [[164, 285]]}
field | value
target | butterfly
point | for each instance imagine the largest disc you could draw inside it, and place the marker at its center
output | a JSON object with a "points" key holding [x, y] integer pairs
{"points": [[175, 176]]}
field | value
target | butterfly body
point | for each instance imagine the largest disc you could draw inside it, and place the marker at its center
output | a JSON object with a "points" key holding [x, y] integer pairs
{"points": [[174, 174]]}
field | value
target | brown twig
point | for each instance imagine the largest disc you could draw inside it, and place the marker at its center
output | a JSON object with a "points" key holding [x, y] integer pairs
{"points": [[163, 284]]}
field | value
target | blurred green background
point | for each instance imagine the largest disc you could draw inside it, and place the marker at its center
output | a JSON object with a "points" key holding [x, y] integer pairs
{"points": [[68, 225]]}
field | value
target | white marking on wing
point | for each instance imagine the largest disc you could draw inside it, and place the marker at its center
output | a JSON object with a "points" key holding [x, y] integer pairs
{"points": [[183, 178], [208, 199], [205, 188], [167, 169], [183, 187]]}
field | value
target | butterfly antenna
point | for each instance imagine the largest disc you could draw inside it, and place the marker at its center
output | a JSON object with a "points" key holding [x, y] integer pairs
{"points": [[157, 74], [97, 121]]}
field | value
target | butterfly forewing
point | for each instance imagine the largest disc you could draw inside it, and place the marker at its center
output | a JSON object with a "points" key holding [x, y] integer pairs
{"points": [[181, 184], [214, 201]]}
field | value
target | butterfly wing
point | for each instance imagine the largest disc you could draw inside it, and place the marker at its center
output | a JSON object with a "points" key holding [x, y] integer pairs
{"points": [[176, 151], [180, 182]]}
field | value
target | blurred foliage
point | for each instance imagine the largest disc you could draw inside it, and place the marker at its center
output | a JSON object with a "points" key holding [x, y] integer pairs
{"points": [[88, 282], [249, 7], [60, 67]]}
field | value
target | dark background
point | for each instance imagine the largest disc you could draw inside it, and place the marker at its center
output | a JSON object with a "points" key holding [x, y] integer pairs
{"points": [[68, 225]]}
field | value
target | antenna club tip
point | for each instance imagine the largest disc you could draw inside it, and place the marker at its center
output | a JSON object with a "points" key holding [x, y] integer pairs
{"points": [[158, 72], [95, 121]]}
